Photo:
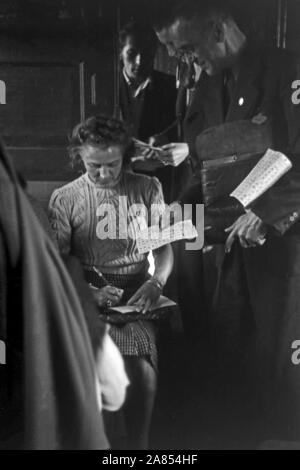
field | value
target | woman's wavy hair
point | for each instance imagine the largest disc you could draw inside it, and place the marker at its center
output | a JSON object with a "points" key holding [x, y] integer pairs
{"points": [[102, 131]]}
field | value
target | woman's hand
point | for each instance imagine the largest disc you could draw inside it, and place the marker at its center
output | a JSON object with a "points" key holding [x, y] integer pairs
{"points": [[146, 296], [107, 296]]}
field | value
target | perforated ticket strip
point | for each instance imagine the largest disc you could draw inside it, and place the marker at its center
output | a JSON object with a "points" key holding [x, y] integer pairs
{"points": [[270, 168]]}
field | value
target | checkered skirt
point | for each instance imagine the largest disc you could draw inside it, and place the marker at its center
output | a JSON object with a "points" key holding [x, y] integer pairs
{"points": [[137, 338]]}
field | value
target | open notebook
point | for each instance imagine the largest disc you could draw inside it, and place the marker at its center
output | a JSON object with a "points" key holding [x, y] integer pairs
{"points": [[162, 302], [164, 309]]}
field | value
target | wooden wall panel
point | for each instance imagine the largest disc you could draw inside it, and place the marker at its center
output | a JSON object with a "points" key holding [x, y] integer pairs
{"points": [[293, 25], [43, 163], [49, 88], [42, 103]]}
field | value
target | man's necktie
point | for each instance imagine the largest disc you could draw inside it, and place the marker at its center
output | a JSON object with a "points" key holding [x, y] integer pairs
{"points": [[229, 85]]}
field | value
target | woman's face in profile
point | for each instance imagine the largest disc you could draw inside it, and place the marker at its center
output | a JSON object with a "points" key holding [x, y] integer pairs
{"points": [[103, 164]]}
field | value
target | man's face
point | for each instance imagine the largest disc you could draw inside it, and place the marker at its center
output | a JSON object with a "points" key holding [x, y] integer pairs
{"points": [[103, 164], [198, 40], [137, 59]]}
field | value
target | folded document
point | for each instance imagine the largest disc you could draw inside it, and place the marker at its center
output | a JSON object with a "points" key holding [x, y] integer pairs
{"points": [[270, 168], [153, 237]]}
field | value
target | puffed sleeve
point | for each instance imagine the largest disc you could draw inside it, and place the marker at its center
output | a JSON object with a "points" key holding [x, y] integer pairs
{"points": [[59, 217], [156, 203]]}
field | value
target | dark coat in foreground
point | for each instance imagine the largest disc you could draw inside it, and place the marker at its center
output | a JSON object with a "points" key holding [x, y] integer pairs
{"points": [[48, 385]]}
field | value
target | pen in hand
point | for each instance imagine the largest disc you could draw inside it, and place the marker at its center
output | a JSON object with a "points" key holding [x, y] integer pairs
{"points": [[101, 276], [119, 292]]}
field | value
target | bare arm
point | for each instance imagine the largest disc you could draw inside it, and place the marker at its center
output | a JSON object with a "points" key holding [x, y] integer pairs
{"points": [[164, 261], [148, 294]]}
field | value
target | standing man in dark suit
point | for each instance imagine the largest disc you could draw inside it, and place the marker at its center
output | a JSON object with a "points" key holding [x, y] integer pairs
{"points": [[147, 97], [258, 285]]}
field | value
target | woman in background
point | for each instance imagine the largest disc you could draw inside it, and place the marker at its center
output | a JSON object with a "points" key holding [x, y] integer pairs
{"points": [[96, 218]]}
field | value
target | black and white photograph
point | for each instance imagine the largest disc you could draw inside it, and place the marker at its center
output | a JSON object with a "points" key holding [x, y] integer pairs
{"points": [[149, 227]]}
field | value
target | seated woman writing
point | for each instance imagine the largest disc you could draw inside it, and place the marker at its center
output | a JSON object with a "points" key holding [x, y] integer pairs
{"points": [[96, 218]]}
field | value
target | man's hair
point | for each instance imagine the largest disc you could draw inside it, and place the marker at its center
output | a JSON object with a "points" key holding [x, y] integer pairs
{"points": [[100, 131], [143, 34], [203, 9], [187, 9]]}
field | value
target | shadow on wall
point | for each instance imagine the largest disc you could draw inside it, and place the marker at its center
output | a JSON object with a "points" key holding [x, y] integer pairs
{"points": [[41, 191]]}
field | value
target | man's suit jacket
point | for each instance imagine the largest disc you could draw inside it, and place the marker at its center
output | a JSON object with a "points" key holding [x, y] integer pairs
{"points": [[158, 116], [257, 298], [264, 85], [158, 109]]}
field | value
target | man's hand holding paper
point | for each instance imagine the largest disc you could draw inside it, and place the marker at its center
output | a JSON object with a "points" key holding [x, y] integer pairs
{"points": [[174, 154], [249, 228], [170, 154]]}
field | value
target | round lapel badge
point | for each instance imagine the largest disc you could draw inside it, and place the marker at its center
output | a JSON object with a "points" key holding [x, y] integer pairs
{"points": [[241, 101], [259, 119]]}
